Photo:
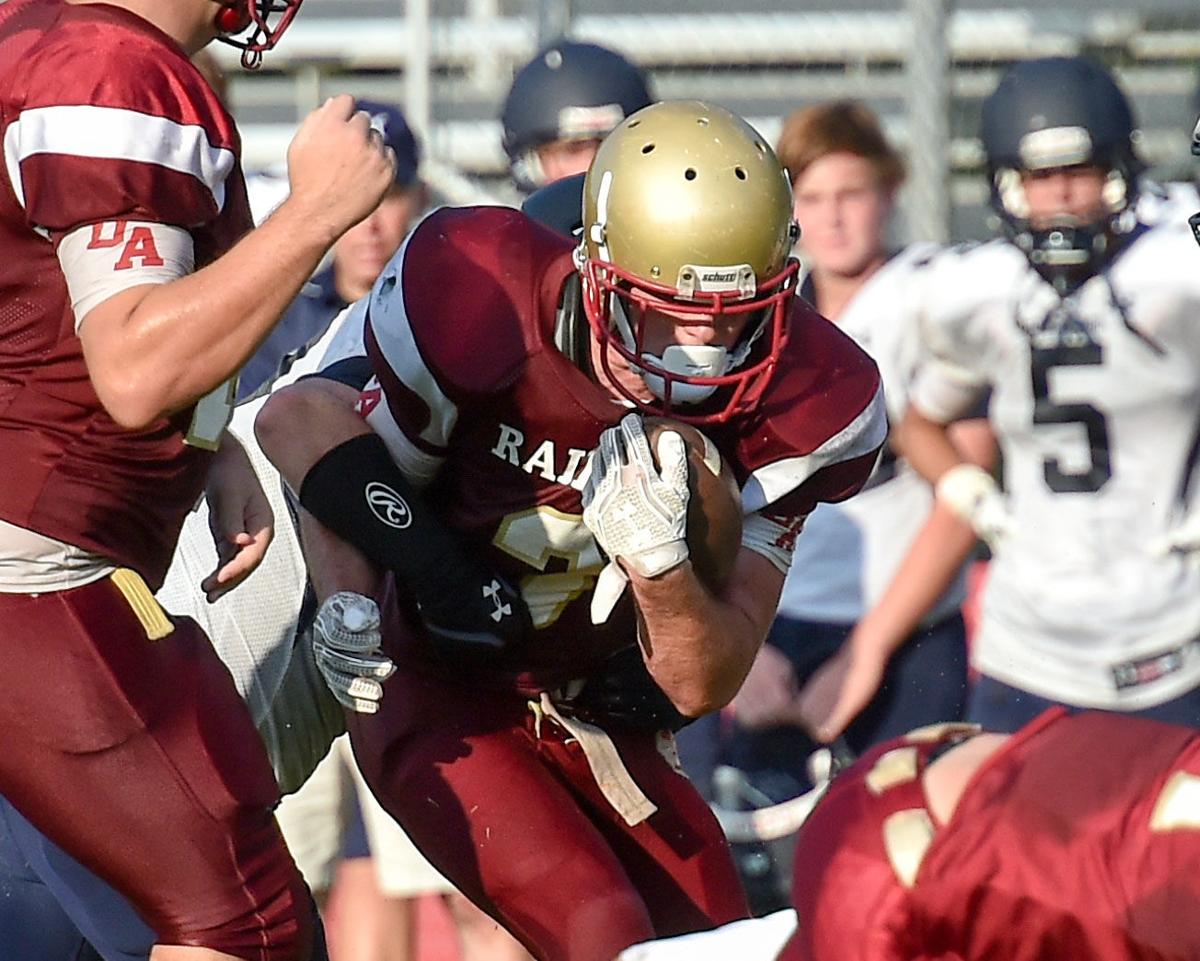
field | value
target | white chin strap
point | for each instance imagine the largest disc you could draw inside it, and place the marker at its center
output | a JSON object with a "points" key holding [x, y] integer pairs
{"points": [[693, 360]]}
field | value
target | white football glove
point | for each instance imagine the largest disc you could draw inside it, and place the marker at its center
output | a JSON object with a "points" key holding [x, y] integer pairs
{"points": [[636, 512], [971, 493], [346, 646]]}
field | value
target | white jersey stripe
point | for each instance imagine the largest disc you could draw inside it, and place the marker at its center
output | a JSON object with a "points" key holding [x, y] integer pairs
{"points": [[394, 336], [414, 463], [113, 133], [861, 436]]}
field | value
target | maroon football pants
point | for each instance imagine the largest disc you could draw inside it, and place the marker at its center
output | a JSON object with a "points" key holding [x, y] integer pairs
{"points": [[518, 823], [138, 757]]}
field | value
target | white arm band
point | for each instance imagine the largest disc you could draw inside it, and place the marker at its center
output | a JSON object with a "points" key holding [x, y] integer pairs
{"points": [[770, 538], [415, 464], [101, 260]]}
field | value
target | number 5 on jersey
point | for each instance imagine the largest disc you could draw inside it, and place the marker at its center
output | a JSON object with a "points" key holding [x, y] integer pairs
{"points": [[1046, 411]]}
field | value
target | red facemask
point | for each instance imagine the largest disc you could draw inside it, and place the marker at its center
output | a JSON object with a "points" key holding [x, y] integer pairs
{"points": [[265, 19], [736, 392]]}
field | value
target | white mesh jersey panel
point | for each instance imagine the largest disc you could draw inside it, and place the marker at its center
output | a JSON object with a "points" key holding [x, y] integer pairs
{"points": [[253, 626]]}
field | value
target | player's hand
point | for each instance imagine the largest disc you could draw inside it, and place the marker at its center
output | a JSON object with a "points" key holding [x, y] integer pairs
{"points": [[637, 512], [971, 493], [239, 516], [346, 646], [839, 691], [338, 166], [767, 696]]}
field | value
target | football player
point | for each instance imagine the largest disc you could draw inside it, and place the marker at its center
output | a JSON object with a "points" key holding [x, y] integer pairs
{"points": [[1081, 323], [561, 104], [501, 442], [1077, 837], [266, 633], [883, 569], [54, 908], [130, 298]]}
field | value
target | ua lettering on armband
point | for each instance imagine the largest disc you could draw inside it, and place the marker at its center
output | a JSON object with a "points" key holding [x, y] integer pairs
{"points": [[103, 259]]}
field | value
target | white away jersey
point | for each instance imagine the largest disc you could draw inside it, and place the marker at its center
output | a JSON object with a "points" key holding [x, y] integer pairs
{"points": [[1096, 404], [253, 627], [849, 552]]}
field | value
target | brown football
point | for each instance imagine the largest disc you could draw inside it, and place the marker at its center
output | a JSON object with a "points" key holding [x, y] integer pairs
{"points": [[714, 528]]}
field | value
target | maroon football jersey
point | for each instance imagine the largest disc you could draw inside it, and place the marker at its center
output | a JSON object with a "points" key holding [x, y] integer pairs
{"points": [[1078, 838], [471, 387], [104, 121]]}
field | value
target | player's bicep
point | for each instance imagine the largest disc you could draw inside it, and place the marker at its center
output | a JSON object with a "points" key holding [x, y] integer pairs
{"points": [[102, 260], [110, 268]]}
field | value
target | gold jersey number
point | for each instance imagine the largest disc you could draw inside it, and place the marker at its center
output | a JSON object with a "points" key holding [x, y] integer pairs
{"points": [[536, 537]]}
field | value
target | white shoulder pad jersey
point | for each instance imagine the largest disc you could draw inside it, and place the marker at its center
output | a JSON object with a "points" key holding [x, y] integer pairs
{"points": [[1096, 404], [253, 627], [1174, 201], [850, 551]]}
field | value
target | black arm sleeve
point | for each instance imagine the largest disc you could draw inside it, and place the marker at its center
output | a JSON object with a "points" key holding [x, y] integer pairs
{"points": [[358, 492]]}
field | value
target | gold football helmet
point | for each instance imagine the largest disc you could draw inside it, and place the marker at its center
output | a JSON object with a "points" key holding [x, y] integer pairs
{"points": [[686, 209]]}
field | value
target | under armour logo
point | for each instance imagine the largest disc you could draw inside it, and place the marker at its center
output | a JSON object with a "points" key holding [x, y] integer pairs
{"points": [[492, 592]]}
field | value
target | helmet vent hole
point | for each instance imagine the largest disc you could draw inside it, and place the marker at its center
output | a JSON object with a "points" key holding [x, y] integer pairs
{"points": [[689, 174], [648, 148], [739, 172]]}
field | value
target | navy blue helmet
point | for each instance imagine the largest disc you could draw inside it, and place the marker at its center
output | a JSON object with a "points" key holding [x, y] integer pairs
{"points": [[1059, 112], [568, 91]]}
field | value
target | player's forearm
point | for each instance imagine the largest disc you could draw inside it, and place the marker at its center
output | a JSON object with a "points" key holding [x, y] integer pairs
{"points": [[334, 565], [926, 445], [297, 426], [152, 350], [932, 560], [929, 567], [700, 647]]}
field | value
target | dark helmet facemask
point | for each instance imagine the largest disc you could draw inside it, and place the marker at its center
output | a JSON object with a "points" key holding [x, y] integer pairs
{"points": [[1050, 114]]}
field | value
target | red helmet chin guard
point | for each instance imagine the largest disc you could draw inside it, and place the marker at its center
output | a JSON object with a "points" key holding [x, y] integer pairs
{"points": [[746, 384], [265, 19]]}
